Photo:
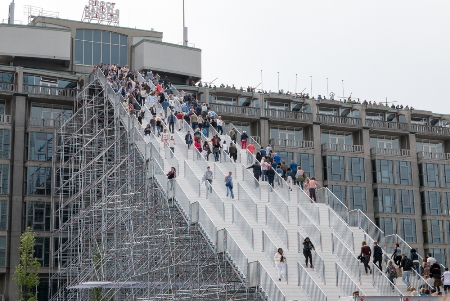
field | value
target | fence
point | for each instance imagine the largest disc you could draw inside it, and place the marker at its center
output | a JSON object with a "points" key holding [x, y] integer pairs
{"points": [[308, 205], [252, 183], [345, 254], [310, 228], [277, 227], [308, 285], [384, 285], [243, 225], [324, 195], [236, 254], [269, 286], [43, 90], [318, 262], [279, 204], [193, 180], [216, 200], [358, 219], [345, 282], [207, 225], [248, 202], [341, 228], [268, 247]]}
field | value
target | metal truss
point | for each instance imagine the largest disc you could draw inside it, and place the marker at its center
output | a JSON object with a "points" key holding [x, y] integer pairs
{"points": [[116, 226]]}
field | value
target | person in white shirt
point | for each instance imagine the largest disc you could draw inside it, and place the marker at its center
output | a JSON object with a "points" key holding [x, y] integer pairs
{"points": [[280, 261], [431, 259], [171, 145], [219, 125], [446, 281], [225, 150]]}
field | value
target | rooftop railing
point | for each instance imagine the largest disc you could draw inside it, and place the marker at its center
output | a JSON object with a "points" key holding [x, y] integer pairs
{"points": [[341, 120], [287, 115], [428, 129], [342, 148], [5, 119], [291, 143], [433, 156], [229, 109], [390, 152], [389, 125], [10, 87], [43, 90]]}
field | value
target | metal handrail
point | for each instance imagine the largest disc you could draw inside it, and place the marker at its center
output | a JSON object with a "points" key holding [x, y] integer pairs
{"points": [[194, 181], [383, 284], [243, 225], [360, 220], [334, 202], [236, 254], [268, 247], [310, 207], [252, 183], [250, 205], [279, 204], [216, 200], [277, 227], [345, 283], [309, 227], [309, 285], [346, 256], [335, 147], [319, 263], [390, 152], [269, 286], [341, 228]]}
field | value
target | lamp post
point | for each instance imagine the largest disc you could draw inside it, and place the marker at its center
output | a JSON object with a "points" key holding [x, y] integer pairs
{"points": [[343, 94], [278, 81], [295, 83], [327, 86], [311, 86]]}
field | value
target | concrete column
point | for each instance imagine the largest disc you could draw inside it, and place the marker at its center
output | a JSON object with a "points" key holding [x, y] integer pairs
{"points": [[318, 166], [19, 109], [264, 131], [368, 170]]}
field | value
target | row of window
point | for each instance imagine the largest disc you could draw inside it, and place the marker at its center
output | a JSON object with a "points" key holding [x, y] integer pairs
{"points": [[335, 167], [41, 250], [406, 227], [356, 196]]}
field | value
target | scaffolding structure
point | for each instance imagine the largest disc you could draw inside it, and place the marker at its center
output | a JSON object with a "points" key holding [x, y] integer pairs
{"points": [[119, 234]]}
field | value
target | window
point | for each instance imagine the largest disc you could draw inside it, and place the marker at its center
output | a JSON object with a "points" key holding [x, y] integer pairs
{"points": [[41, 146], [335, 168], [96, 46], [405, 201], [283, 133], [42, 251], [4, 178], [357, 198], [6, 77], [242, 126], [39, 180], [278, 106], [39, 215], [387, 225], [339, 192], [384, 171], [5, 143], [433, 231], [384, 141], [2, 108], [306, 161], [3, 215], [226, 101], [384, 200], [49, 115], [62, 261], [327, 111], [432, 146], [286, 157], [429, 174], [2, 251], [431, 202], [404, 174], [446, 176], [438, 254], [408, 229], [356, 169], [447, 203], [334, 137], [447, 227]]}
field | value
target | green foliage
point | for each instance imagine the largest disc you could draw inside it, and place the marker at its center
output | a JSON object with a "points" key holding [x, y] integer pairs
{"points": [[26, 274]]}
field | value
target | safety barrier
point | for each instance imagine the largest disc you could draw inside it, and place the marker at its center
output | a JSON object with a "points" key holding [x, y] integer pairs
{"points": [[236, 254], [278, 203], [216, 200], [318, 262], [341, 228], [346, 255], [359, 219], [310, 228], [324, 195], [250, 205], [198, 158], [193, 180], [269, 286], [307, 205], [345, 282], [384, 285], [277, 227], [171, 158], [243, 225], [207, 225], [308, 285], [268, 247], [252, 183]]}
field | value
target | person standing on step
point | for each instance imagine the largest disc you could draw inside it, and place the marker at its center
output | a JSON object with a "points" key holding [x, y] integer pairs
{"points": [[407, 266], [397, 255], [307, 248], [365, 255], [153, 124], [256, 171], [271, 176], [415, 259], [188, 139], [436, 273], [208, 176], [233, 135], [244, 138], [280, 263], [179, 120], [289, 178], [172, 145], [300, 177], [224, 151], [220, 125], [391, 273], [171, 175], [229, 184], [233, 151], [165, 137], [377, 255], [312, 184], [147, 133], [171, 120]]}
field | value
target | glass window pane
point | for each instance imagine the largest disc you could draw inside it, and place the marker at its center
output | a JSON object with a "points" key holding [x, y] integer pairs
{"points": [[88, 35], [114, 54], [97, 36], [87, 53], [123, 55], [79, 34], [114, 38], [97, 53], [106, 53], [78, 52], [123, 40], [106, 37]]}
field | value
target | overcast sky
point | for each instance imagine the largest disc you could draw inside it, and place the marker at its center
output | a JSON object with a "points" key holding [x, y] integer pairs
{"points": [[385, 48]]}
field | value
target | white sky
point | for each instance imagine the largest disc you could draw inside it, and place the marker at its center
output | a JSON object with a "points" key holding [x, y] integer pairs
{"points": [[386, 48]]}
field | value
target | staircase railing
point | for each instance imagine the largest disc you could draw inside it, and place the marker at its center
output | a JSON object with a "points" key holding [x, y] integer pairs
{"points": [[324, 195], [277, 227], [309, 286], [341, 229], [346, 256], [236, 254], [243, 225], [269, 286], [279, 204], [359, 219], [345, 282], [250, 205], [194, 181], [383, 284], [319, 263], [309, 227], [309, 206]]}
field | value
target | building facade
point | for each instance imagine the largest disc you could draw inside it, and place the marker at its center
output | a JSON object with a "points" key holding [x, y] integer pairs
{"points": [[393, 164], [43, 66]]}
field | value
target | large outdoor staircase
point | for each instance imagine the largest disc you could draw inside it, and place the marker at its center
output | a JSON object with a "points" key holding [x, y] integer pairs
{"points": [[260, 219]]}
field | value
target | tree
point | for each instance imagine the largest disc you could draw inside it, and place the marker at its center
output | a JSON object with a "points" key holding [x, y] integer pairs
{"points": [[26, 274]]}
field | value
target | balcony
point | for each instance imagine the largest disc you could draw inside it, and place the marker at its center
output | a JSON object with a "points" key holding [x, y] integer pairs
{"points": [[338, 120], [388, 125], [292, 143], [44, 122], [10, 87], [433, 156], [342, 148], [432, 130], [390, 152], [288, 115], [5, 119], [55, 91], [235, 110]]}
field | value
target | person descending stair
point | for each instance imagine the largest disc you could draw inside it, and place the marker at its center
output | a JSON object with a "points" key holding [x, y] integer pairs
{"points": [[307, 247], [208, 179], [280, 263], [365, 254], [229, 184]]}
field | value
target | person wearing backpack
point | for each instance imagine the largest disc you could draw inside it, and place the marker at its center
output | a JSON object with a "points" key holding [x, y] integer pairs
{"points": [[300, 177], [233, 135], [436, 273], [415, 259], [307, 247], [391, 273], [407, 266], [396, 256], [229, 185]]}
